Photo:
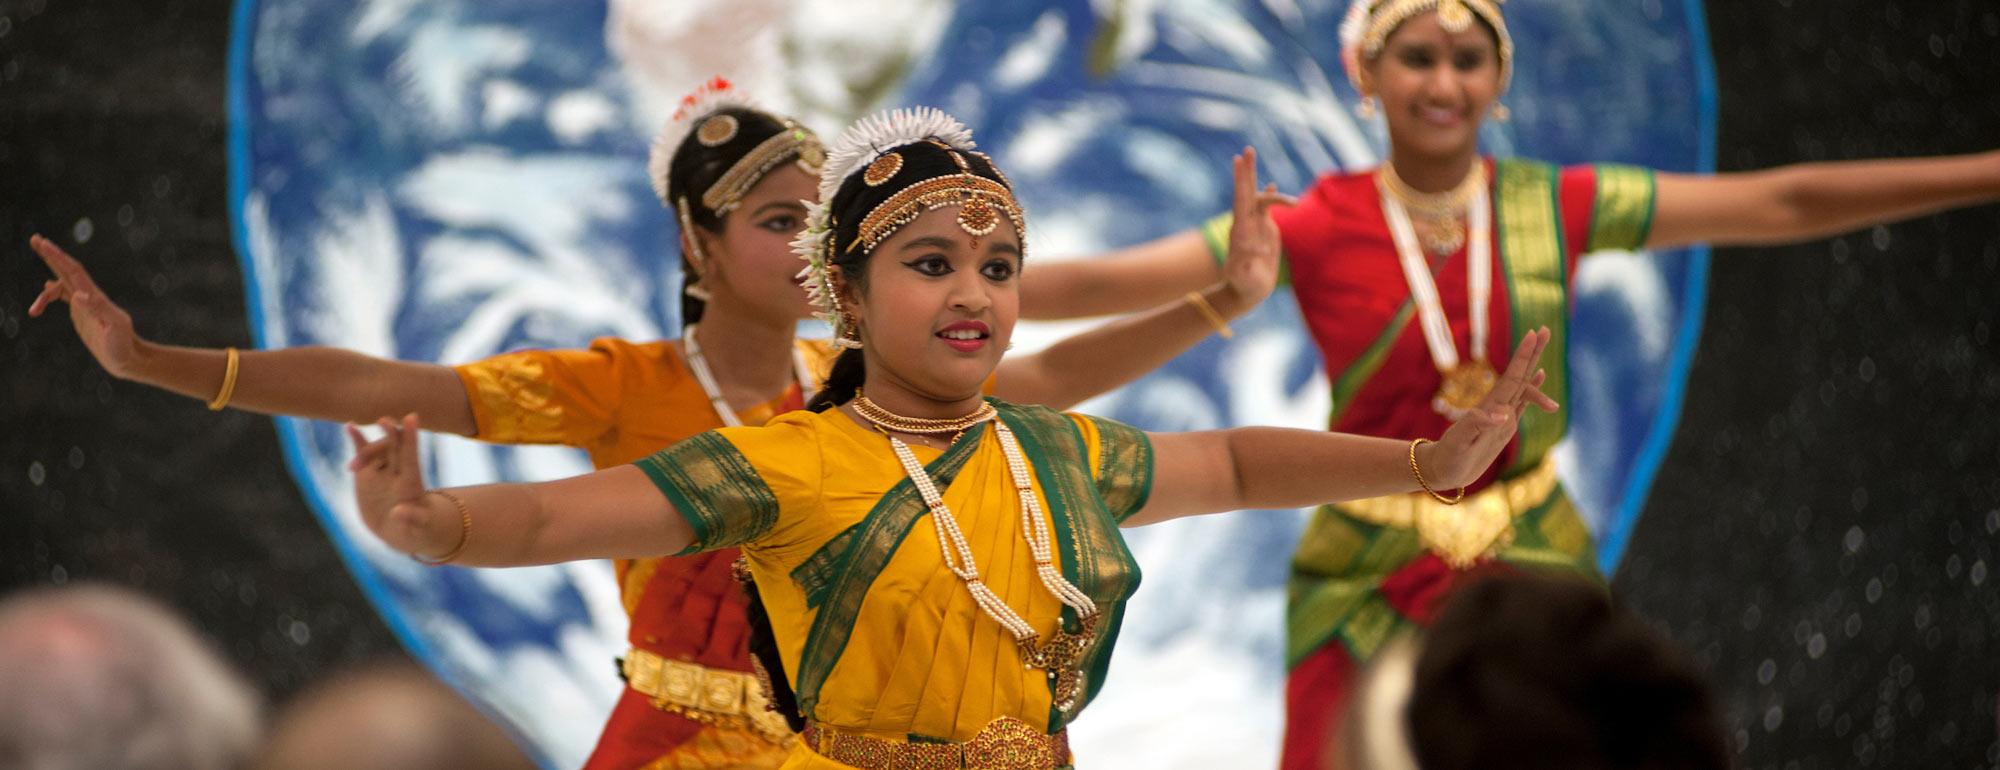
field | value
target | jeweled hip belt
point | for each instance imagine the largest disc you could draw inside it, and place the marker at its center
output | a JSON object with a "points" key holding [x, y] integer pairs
{"points": [[1462, 534], [1004, 744], [711, 696]]}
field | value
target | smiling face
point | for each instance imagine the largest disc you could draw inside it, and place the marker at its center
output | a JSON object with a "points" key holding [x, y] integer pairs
{"points": [[937, 306], [1436, 86], [750, 262]]}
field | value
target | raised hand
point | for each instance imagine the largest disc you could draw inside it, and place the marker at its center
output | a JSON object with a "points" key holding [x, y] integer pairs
{"points": [[1251, 268], [389, 488], [105, 328], [1471, 444]]}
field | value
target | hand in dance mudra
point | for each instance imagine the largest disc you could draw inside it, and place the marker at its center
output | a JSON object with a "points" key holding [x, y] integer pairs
{"points": [[1255, 251], [1477, 438], [389, 487], [104, 327]]}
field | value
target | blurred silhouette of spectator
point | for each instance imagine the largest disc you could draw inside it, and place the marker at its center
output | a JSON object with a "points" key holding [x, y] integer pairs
{"points": [[390, 716], [1533, 671], [94, 677]]}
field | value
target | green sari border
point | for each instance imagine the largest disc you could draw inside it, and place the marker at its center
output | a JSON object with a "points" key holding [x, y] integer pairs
{"points": [[1528, 215], [1068, 489], [715, 488], [856, 566]]}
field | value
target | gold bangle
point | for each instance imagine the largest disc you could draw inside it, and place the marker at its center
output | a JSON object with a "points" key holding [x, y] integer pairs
{"points": [[1207, 311], [1415, 471], [464, 530], [228, 382]]}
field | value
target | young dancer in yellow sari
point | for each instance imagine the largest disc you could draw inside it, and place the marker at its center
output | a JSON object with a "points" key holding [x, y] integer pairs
{"points": [[944, 572]]}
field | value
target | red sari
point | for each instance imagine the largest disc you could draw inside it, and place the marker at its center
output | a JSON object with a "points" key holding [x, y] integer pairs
{"points": [[1361, 574]]}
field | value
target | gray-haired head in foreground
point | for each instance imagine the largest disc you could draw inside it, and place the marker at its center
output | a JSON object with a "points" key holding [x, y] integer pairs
{"points": [[100, 678]]}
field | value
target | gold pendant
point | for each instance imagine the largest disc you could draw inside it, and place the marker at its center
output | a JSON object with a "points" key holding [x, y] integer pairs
{"points": [[1441, 236], [1465, 385], [1061, 656]]}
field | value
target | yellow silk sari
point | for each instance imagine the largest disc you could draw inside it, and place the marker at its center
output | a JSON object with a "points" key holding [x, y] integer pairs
{"points": [[877, 636]]}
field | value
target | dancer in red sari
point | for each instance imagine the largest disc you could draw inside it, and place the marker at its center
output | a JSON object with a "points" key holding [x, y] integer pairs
{"points": [[1413, 276]]}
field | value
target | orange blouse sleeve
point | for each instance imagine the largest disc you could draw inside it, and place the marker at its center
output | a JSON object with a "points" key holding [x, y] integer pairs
{"points": [[548, 396]]}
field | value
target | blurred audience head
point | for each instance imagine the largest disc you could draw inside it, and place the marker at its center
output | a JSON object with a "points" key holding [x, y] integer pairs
{"points": [[1527, 671], [390, 716], [94, 677]]}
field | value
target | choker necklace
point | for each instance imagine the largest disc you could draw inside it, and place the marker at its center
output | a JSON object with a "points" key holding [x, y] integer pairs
{"points": [[1061, 656], [1439, 218], [919, 426], [699, 365]]}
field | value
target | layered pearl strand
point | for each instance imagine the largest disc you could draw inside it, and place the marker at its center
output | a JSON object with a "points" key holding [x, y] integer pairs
{"points": [[1059, 655]]}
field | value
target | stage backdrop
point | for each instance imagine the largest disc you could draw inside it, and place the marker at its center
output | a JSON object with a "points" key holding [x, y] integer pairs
{"points": [[448, 180]]}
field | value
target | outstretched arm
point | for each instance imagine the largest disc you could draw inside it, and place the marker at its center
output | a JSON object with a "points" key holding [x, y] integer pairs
{"points": [[1150, 274], [318, 382], [1814, 200], [1227, 470], [1121, 351], [1122, 281], [613, 513]]}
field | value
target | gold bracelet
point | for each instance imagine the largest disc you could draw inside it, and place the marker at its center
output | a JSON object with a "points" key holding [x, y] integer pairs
{"points": [[1215, 319], [228, 382], [464, 530], [1414, 471]]}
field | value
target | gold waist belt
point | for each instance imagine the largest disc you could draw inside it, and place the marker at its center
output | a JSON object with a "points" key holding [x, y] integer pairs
{"points": [[711, 696], [1004, 744], [1462, 534]]}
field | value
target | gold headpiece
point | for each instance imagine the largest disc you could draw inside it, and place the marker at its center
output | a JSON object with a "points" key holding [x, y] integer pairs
{"points": [[1369, 23], [981, 201], [697, 114], [867, 148], [794, 142]]}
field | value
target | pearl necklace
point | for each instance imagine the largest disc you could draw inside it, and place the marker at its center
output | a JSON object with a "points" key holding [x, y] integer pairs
{"points": [[699, 365], [1058, 656]]}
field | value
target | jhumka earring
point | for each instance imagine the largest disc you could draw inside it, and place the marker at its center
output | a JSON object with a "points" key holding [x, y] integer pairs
{"points": [[690, 284], [1501, 114], [1366, 108]]}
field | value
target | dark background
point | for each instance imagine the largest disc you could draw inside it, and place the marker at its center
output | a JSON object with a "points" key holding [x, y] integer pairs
{"points": [[1823, 534]]}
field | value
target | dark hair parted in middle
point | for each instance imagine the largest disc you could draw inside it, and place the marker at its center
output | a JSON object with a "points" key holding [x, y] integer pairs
{"points": [[891, 191]]}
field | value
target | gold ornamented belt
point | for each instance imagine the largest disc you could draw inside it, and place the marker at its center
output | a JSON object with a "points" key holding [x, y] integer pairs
{"points": [[711, 696], [1004, 744], [1462, 534]]}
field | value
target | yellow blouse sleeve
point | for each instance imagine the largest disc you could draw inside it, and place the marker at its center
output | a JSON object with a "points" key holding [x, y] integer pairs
{"points": [[735, 486], [1121, 461], [547, 396]]}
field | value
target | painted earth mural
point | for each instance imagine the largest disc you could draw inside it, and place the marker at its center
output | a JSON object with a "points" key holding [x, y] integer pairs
{"points": [[442, 181]]}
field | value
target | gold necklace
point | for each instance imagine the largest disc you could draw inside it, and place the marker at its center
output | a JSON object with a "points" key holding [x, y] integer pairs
{"points": [[919, 426], [1439, 217]]}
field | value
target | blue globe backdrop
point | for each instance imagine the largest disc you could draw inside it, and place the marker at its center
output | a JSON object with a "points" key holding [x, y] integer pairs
{"points": [[447, 180]]}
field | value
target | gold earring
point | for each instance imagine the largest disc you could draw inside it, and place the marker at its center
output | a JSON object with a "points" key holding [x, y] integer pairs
{"points": [[1501, 114], [1366, 109]]}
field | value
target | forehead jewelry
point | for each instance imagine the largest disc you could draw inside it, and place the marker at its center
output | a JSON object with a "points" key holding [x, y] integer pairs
{"points": [[716, 130]]}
